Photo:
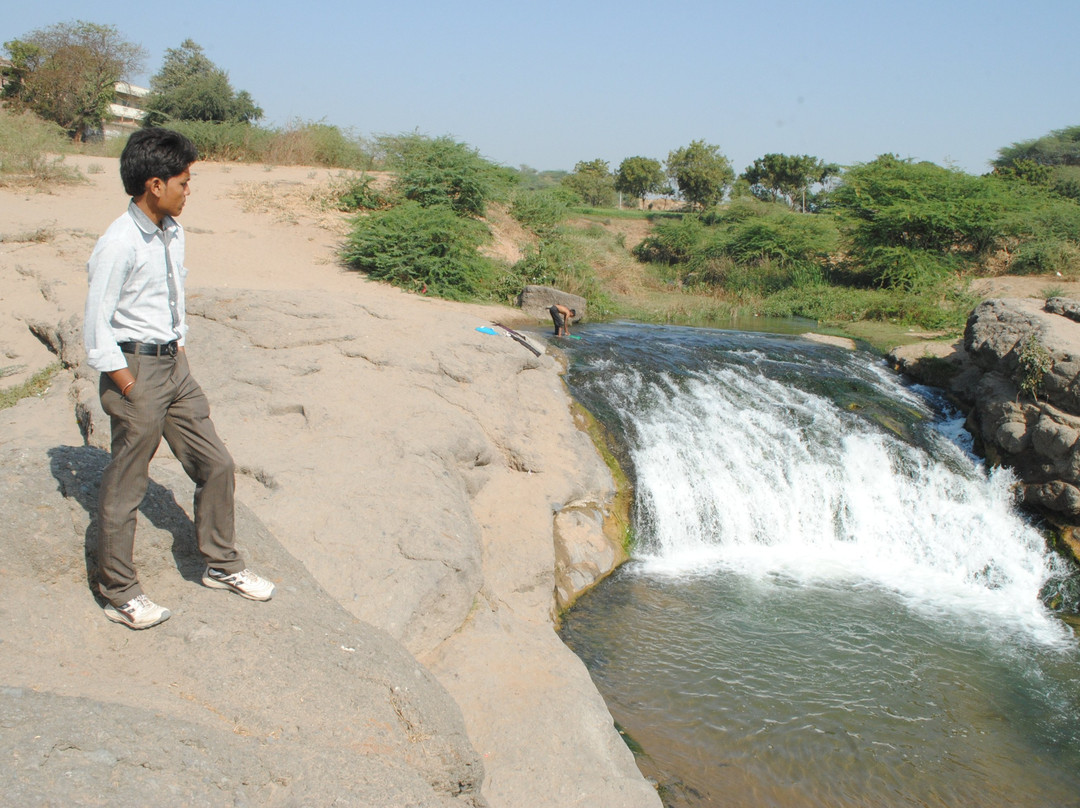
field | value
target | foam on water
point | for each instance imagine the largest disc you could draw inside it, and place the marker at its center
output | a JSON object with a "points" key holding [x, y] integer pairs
{"points": [[834, 603], [738, 471]]}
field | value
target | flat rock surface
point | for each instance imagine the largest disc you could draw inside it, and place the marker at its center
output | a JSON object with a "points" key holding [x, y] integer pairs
{"points": [[399, 474], [293, 701]]}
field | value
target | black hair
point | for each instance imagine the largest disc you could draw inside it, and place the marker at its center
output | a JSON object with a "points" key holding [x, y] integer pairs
{"points": [[573, 312], [151, 153]]}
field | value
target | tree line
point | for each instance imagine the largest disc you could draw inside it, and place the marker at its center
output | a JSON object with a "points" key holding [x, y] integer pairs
{"points": [[701, 175], [67, 73], [775, 235]]}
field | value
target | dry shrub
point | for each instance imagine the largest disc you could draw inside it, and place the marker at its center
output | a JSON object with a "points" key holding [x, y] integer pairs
{"points": [[31, 151], [290, 202]]}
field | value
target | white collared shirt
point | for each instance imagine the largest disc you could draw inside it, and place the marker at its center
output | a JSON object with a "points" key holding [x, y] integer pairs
{"points": [[136, 277]]}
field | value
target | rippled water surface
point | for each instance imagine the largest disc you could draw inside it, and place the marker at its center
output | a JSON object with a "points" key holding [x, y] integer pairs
{"points": [[832, 603]]}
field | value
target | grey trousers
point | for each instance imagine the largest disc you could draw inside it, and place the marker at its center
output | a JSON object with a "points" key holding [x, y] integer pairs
{"points": [[165, 401]]}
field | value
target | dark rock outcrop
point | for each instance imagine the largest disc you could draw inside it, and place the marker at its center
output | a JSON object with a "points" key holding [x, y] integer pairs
{"points": [[1016, 375]]}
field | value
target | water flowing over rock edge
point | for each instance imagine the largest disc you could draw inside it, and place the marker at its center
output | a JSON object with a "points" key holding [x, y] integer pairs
{"points": [[1015, 375]]}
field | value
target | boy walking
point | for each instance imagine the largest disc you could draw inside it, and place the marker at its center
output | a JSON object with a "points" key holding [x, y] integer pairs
{"points": [[134, 331]]}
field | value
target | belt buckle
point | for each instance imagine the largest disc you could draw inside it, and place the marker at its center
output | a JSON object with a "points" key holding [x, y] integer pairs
{"points": [[170, 348]]}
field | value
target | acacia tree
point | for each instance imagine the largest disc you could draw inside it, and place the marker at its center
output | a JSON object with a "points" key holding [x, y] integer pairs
{"points": [[190, 87], [639, 177], [442, 171], [593, 182], [68, 72], [911, 223], [700, 172], [1060, 147], [788, 177], [1052, 160]]}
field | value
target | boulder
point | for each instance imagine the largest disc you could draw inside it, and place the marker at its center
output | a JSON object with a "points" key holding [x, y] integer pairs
{"points": [[536, 300], [990, 376]]}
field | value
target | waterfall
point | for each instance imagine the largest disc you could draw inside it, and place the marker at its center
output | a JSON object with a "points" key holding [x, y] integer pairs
{"points": [[776, 466], [832, 603]]}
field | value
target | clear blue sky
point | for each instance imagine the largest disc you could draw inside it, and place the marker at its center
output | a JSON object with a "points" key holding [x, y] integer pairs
{"points": [[547, 84]]}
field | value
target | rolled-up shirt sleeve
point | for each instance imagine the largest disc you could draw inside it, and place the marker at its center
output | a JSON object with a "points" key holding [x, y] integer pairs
{"points": [[107, 268]]}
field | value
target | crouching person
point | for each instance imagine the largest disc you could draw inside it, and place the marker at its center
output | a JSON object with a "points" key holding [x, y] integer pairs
{"points": [[561, 317]]}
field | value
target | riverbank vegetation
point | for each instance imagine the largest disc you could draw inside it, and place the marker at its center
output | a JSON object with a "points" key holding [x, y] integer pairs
{"points": [[891, 241]]}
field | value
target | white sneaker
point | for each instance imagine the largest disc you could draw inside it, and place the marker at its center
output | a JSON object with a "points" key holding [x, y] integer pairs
{"points": [[139, 612], [245, 582]]}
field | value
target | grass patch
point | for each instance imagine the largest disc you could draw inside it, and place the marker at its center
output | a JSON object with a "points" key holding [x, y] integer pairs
{"points": [[36, 385], [679, 308], [31, 152], [104, 147], [943, 308], [298, 143]]}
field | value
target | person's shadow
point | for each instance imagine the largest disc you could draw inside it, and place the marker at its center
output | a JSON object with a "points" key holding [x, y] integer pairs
{"points": [[78, 469]]}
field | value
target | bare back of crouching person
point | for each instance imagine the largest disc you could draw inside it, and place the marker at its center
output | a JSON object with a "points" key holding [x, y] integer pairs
{"points": [[561, 317]]}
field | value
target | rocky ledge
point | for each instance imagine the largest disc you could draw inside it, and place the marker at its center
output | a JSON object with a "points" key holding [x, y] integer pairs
{"points": [[414, 484], [1015, 375]]}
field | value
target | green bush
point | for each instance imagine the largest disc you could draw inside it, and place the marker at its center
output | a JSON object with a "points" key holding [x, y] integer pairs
{"points": [[359, 193], [1034, 363], [542, 264], [1066, 182], [911, 224], [747, 248], [564, 262], [1059, 147], [922, 206], [1046, 256], [907, 269], [673, 241], [541, 211], [421, 248], [779, 235], [759, 278], [1044, 230], [441, 171], [1033, 212]]}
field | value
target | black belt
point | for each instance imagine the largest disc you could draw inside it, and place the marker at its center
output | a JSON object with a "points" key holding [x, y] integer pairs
{"points": [[150, 349]]}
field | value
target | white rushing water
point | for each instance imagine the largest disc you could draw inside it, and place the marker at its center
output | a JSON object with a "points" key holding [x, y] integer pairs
{"points": [[833, 603], [740, 472]]}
